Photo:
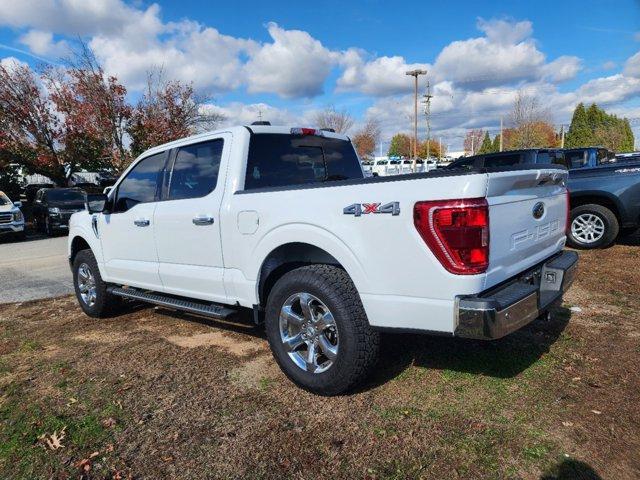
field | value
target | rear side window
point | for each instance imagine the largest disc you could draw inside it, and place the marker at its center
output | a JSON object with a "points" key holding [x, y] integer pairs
{"points": [[141, 183], [576, 159], [555, 158], [464, 164], [195, 170], [502, 160], [278, 160]]}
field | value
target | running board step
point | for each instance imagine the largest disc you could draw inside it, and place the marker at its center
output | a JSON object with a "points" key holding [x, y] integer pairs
{"points": [[211, 310]]}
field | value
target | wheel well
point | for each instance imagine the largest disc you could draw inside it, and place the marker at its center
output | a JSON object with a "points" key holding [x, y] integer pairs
{"points": [[78, 244], [594, 199], [286, 258]]}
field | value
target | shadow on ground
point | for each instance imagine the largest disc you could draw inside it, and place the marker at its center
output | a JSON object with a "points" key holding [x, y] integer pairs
{"points": [[503, 358], [570, 469]]}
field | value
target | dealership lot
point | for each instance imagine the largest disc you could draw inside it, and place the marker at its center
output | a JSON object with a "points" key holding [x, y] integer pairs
{"points": [[34, 269], [171, 395]]}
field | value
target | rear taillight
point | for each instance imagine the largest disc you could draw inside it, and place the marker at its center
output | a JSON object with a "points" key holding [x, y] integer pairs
{"points": [[307, 131], [457, 232]]}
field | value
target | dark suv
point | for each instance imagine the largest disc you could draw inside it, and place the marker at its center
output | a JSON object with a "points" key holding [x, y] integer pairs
{"points": [[605, 193], [54, 206]]}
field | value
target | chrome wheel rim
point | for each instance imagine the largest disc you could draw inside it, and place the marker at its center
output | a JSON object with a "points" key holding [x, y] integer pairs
{"points": [[587, 228], [309, 333], [87, 285]]}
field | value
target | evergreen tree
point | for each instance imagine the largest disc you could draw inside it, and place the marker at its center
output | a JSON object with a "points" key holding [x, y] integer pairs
{"points": [[579, 134], [486, 146], [629, 145], [496, 144]]}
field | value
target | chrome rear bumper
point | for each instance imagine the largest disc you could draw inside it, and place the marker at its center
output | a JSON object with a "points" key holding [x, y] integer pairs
{"points": [[504, 309]]}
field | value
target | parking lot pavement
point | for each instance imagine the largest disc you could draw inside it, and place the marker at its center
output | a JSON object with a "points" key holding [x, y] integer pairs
{"points": [[34, 269]]}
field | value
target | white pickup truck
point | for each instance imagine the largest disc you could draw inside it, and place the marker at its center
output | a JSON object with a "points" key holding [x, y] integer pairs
{"points": [[282, 221]]}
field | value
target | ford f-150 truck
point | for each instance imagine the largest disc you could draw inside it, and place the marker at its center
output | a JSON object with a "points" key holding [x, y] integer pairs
{"points": [[282, 221]]}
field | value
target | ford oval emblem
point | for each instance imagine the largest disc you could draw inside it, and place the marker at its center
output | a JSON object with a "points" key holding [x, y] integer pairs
{"points": [[538, 210]]}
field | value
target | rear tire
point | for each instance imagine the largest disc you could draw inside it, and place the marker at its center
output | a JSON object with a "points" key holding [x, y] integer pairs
{"points": [[91, 290], [352, 343], [592, 226]]}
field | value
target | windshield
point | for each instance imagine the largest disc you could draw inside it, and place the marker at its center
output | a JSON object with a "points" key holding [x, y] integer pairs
{"points": [[4, 200], [65, 196]]}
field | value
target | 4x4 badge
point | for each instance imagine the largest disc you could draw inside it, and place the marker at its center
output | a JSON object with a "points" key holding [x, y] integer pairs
{"points": [[358, 209]]}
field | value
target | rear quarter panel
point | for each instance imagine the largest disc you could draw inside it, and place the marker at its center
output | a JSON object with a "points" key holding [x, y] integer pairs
{"points": [[399, 280]]}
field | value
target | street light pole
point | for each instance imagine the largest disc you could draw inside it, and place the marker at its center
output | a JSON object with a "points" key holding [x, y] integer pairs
{"points": [[415, 74]]}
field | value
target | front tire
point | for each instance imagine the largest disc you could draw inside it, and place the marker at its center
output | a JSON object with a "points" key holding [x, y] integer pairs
{"points": [[592, 226], [318, 330], [91, 290]]}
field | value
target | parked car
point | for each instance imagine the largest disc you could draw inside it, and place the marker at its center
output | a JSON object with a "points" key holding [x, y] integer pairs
{"points": [[282, 221], [32, 189], [11, 218], [605, 193], [53, 207]]}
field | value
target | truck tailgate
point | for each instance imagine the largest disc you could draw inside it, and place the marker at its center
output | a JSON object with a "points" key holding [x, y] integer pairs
{"points": [[528, 213]]}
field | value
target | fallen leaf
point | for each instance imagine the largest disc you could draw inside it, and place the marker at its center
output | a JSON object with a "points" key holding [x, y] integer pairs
{"points": [[567, 424], [54, 441], [597, 412], [108, 422]]}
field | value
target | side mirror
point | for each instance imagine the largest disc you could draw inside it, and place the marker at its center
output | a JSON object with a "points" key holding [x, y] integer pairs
{"points": [[18, 204], [96, 202], [376, 174]]}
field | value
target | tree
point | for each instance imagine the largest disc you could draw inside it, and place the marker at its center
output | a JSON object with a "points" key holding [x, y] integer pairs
{"points": [[579, 134], [30, 128], [487, 145], [530, 123], [472, 141], [340, 121], [594, 126], [95, 111], [435, 149], [167, 111], [366, 139], [400, 145], [495, 147]]}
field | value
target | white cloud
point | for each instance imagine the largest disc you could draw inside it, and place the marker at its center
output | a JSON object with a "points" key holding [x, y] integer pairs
{"points": [[42, 43], [505, 32], [609, 65], [294, 65], [238, 113], [505, 55], [70, 17], [379, 77], [632, 66], [561, 69]]}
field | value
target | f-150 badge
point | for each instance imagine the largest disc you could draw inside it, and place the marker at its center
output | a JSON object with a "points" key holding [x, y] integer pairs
{"points": [[358, 209]]}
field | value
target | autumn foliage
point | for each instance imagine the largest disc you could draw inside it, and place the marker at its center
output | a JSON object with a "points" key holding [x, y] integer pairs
{"points": [[57, 121]]}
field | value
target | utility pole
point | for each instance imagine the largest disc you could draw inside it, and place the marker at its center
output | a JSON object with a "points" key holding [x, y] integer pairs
{"points": [[427, 111], [562, 138], [415, 74], [500, 133]]}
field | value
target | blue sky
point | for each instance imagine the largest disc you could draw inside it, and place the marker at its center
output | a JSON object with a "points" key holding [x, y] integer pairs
{"points": [[290, 59]]}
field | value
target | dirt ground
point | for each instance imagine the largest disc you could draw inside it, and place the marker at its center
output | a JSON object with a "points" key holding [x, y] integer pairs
{"points": [[155, 394]]}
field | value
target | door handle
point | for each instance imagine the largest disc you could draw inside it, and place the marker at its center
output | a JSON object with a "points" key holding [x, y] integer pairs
{"points": [[203, 220], [141, 222]]}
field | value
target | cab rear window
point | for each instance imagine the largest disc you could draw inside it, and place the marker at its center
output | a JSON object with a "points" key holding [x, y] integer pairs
{"points": [[280, 160]]}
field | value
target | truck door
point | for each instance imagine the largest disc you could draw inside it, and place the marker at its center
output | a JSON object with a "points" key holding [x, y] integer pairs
{"points": [[127, 232], [188, 222]]}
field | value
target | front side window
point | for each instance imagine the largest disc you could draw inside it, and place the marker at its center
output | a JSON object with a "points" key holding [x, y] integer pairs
{"points": [[277, 160], [141, 183], [605, 156], [195, 171], [4, 200]]}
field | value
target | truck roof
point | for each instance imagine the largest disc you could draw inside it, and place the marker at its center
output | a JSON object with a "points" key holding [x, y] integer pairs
{"points": [[281, 129]]}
